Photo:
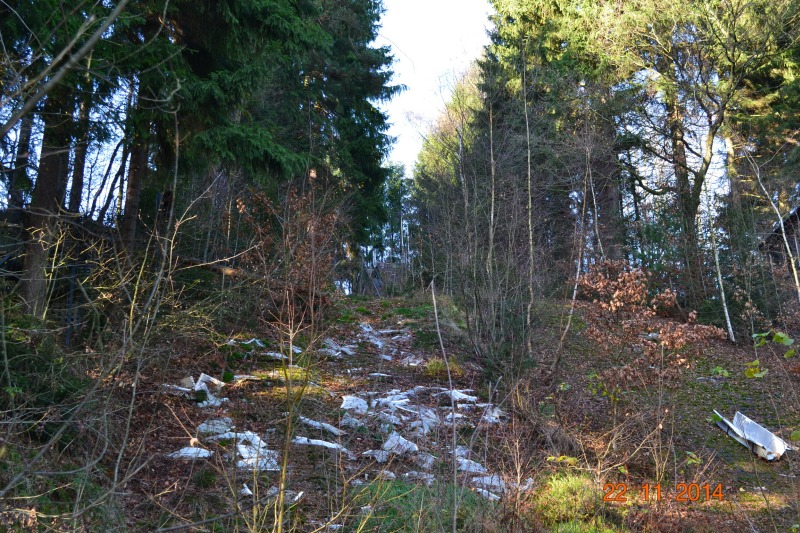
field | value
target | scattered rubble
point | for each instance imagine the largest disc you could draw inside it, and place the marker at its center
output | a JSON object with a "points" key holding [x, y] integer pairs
{"points": [[416, 413]]}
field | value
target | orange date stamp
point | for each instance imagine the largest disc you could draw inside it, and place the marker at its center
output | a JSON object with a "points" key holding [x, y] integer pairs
{"points": [[684, 492]]}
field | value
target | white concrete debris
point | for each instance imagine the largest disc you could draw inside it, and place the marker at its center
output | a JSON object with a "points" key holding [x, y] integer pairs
{"points": [[255, 341], [204, 384], [189, 453], [493, 415], [488, 495], [428, 420], [177, 390], [463, 451], [386, 357], [321, 425], [327, 352], [389, 418], [245, 377], [321, 443], [355, 404], [351, 422], [370, 335], [212, 401], [334, 349], [459, 395], [392, 401], [491, 482], [380, 456], [398, 445], [426, 460], [206, 380], [276, 356], [215, 427], [266, 462], [469, 466], [254, 453]]}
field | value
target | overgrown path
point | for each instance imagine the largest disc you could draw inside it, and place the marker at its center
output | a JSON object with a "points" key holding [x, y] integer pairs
{"points": [[380, 439]]}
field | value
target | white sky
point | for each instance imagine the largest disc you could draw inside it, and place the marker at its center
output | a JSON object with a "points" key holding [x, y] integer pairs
{"points": [[433, 42]]}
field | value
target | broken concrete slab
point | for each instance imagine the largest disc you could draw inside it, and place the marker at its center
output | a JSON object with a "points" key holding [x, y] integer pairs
{"points": [[380, 456], [257, 458], [355, 404], [753, 436], [493, 415], [426, 460], [178, 391], [277, 356], [492, 483], [398, 445], [321, 443], [459, 395], [207, 380], [245, 377], [488, 495], [351, 422], [321, 425], [189, 453], [469, 466], [215, 427]]}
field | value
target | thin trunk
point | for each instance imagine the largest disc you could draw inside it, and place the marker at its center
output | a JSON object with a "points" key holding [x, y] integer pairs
{"points": [[493, 171], [529, 310], [79, 161], [731, 336], [105, 175], [101, 216]]}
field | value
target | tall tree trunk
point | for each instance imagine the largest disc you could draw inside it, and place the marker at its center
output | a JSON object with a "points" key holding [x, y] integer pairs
{"points": [[133, 194], [47, 197], [688, 203], [20, 181], [79, 159]]}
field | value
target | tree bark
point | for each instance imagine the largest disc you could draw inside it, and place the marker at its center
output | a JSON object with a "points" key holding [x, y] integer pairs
{"points": [[133, 194], [20, 181], [79, 159], [47, 198]]}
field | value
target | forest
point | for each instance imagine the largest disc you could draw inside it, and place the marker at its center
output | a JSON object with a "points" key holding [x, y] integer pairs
{"points": [[224, 308]]}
